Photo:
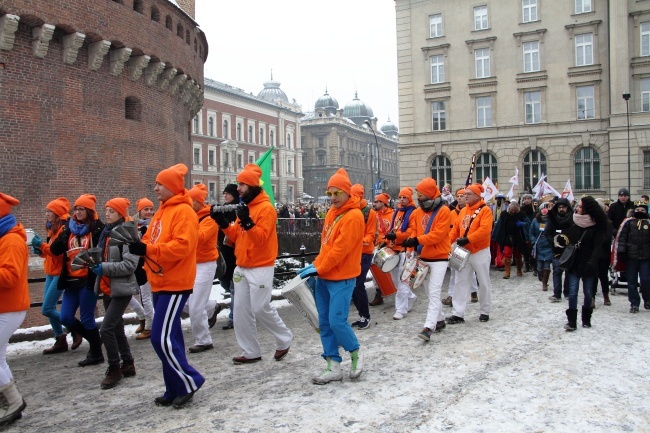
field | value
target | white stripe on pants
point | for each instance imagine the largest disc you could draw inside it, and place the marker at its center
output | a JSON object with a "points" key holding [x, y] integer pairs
{"points": [[478, 263], [253, 287], [433, 283], [9, 322], [196, 304]]}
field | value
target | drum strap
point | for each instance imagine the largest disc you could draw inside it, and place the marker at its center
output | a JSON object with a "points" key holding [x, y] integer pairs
{"points": [[329, 230], [476, 212], [428, 228]]}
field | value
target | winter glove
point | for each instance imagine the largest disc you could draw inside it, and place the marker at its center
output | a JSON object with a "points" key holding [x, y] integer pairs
{"points": [[36, 241], [97, 270], [307, 271], [245, 221], [138, 248], [520, 223], [37, 251], [391, 236], [461, 242], [410, 243], [220, 218]]}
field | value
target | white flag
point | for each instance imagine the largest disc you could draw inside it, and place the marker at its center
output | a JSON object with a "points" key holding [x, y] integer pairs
{"points": [[490, 189], [511, 192], [568, 192], [515, 179], [539, 185], [548, 189]]}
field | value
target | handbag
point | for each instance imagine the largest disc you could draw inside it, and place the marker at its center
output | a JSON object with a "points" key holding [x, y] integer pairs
{"points": [[221, 267], [565, 262], [533, 249]]}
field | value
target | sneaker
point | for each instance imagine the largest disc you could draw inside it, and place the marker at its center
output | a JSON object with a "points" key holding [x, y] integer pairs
{"points": [[483, 318], [425, 334], [227, 326], [453, 320], [357, 364], [398, 316], [554, 299], [363, 323], [198, 348], [331, 373], [440, 326], [474, 297], [634, 310], [447, 301], [182, 400]]}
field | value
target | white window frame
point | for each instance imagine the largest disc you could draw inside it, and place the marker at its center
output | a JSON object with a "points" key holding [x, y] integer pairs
{"points": [[644, 85], [583, 6], [584, 49], [273, 165], [533, 106], [262, 132], [531, 56], [435, 26], [481, 21], [212, 192], [529, 11], [437, 63], [645, 39], [482, 62], [240, 163], [197, 165], [289, 167], [483, 111], [214, 165], [225, 119], [438, 116], [586, 102]]}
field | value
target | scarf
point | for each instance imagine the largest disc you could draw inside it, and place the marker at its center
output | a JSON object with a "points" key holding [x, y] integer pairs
{"points": [[144, 222], [7, 223], [48, 225], [405, 221], [584, 221], [78, 229], [104, 234]]}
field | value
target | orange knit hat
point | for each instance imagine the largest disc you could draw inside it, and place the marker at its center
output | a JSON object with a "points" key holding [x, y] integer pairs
{"points": [[250, 175], [406, 192], [199, 192], [143, 203], [460, 191], [173, 178], [86, 200], [60, 206], [428, 187], [120, 204], [476, 188], [357, 189], [383, 197], [6, 202], [341, 180]]}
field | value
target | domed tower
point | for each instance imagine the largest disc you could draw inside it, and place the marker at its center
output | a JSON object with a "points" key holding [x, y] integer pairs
{"points": [[95, 99], [389, 129], [327, 103], [272, 92], [357, 111]]}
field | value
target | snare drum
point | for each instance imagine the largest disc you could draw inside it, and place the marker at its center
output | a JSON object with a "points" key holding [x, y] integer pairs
{"points": [[386, 259], [298, 293], [30, 235], [415, 271], [383, 280], [458, 257]]}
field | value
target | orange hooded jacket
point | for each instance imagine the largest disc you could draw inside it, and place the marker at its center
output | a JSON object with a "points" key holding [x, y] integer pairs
{"points": [[384, 218], [453, 217], [258, 246], [435, 244], [172, 240], [14, 290], [370, 232], [52, 264], [341, 243], [479, 232], [397, 228], [206, 250]]}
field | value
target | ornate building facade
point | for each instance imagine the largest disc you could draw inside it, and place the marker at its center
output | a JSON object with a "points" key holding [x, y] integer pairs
{"points": [[235, 128], [533, 84]]}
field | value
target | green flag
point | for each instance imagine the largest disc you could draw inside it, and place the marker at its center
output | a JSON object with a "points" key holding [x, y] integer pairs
{"points": [[264, 162]]}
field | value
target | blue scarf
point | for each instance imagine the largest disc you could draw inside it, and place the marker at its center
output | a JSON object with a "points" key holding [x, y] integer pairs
{"points": [[7, 222], [405, 222], [48, 225], [78, 229], [104, 234]]}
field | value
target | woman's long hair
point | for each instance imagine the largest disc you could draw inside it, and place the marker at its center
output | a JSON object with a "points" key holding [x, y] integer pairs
{"points": [[592, 208]]}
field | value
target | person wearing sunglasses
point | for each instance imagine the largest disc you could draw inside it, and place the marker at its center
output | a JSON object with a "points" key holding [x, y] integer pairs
{"points": [[384, 217], [337, 266]]}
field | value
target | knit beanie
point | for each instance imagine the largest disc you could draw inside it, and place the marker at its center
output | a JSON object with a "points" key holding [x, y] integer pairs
{"points": [[120, 205], [406, 192], [250, 175], [86, 200], [173, 178], [341, 180], [358, 190], [143, 203], [199, 192], [60, 206], [476, 188], [231, 189], [383, 197], [428, 187], [460, 191], [6, 203]]}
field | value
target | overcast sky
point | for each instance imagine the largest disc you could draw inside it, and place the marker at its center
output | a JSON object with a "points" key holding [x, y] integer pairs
{"points": [[342, 44]]}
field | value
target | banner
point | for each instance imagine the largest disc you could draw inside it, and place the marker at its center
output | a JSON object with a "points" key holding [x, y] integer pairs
{"points": [[264, 162], [515, 179], [538, 189], [470, 174], [548, 189], [490, 189], [511, 192], [568, 192]]}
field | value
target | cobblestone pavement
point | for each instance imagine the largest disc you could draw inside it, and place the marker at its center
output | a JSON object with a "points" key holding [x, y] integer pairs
{"points": [[519, 372]]}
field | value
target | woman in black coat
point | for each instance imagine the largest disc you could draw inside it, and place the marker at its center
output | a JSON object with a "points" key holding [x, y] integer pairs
{"points": [[633, 248], [511, 234]]}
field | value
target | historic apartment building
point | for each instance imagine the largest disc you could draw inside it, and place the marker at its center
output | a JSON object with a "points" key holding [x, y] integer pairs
{"points": [[334, 138], [234, 128], [533, 84]]}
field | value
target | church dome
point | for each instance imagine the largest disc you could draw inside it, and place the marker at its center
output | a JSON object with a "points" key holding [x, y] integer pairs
{"points": [[327, 103], [389, 128], [272, 92], [357, 111]]}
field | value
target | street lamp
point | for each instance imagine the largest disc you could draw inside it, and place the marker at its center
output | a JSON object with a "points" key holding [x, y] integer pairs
{"points": [[367, 123], [626, 96]]}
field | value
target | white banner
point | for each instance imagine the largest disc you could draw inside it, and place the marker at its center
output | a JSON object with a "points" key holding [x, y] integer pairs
{"points": [[568, 192], [490, 189], [515, 179]]}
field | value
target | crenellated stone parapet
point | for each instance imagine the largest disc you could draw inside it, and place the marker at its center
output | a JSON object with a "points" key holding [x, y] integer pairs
{"points": [[152, 72], [96, 52], [8, 27], [71, 45], [136, 66], [42, 37], [118, 59]]}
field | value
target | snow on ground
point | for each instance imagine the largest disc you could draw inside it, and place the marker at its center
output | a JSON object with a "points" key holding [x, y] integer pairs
{"points": [[519, 372]]}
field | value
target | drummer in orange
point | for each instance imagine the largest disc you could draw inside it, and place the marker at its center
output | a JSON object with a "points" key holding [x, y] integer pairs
{"points": [[360, 296], [472, 231], [384, 217], [431, 242], [402, 226], [337, 266]]}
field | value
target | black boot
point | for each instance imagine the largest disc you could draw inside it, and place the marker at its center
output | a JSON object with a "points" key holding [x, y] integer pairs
{"points": [[95, 355], [377, 301], [572, 317], [586, 316]]}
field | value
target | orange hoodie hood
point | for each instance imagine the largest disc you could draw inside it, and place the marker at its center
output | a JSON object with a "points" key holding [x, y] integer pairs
{"points": [[14, 290]]}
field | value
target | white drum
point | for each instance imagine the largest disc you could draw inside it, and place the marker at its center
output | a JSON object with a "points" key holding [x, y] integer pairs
{"points": [[298, 293], [458, 257], [386, 259], [415, 271], [30, 235]]}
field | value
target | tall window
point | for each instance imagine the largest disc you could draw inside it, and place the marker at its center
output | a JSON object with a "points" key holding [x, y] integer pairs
{"points": [[271, 138], [289, 167], [585, 102], [239, 131], [225, 129], [480, 18], [645, 95], [435, 26], [584, 49], [529, 9], [240, 161], [441, 170], [583, 6], [250, 134], [211, 157], [211, 126], [482, 57], [533, 108], [262, 136], [483, 111], [531, 56], [321, 159], [439, 116], [197, 155], [212, 192], [486, 166], [196, 124], [645, 39], [437, 69], [646, 169], [587, 166], [534, 167]]}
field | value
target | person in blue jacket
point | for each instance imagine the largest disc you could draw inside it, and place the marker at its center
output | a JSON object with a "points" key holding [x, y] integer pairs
{"points": [[541, 249]]}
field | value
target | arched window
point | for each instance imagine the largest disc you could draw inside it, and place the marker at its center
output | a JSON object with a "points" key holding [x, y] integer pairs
{"points": [[441, 170], [225, 129], [155, 14], [187, 37], [486, 166], [179, 30], [272, 138], [168, 23], [250, 134], [262, 136], [138, 6], [534, 167], [211, 126], [239, 131], [587, 167], [132, 108]]}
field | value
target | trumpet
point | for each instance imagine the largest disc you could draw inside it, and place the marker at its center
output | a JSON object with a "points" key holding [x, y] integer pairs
{"points": [[227, 208]]}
